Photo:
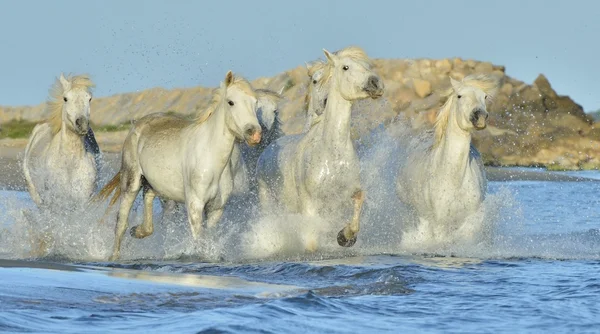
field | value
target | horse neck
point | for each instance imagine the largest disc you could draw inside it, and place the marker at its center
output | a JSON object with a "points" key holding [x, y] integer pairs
{"points": [[452, 154], [68, 141], [336, 118], [221, 137]]}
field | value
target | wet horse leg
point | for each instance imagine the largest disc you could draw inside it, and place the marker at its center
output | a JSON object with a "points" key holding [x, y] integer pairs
{"points": [[130, 183], [214, 210], [147, 227], [195, 208], [347, 236]]}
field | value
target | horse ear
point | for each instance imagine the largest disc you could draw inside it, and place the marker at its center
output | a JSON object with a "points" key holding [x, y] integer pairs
{"points": [[228, 78], [66, 85], [330, 56], [455, 83]]}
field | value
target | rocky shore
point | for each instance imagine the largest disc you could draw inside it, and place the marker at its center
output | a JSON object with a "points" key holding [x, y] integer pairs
{"points": [[530, 124]]}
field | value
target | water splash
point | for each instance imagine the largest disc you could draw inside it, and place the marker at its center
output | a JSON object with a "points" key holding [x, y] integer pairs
{"points": [[497, 230]]}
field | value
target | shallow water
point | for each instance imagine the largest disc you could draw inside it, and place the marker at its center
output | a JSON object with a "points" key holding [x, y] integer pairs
{"points": [[539, 271]]}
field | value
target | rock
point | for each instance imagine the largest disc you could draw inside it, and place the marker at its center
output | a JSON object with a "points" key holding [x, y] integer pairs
{"points": [[506, 89], [484, 68], [443, 66], [422, 87], [543, 85], [457, 75], [424, 63]]}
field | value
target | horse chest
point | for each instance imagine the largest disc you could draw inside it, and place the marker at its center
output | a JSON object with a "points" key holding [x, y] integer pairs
{"points": [[332, 172], [72, 175], [452, 199]]}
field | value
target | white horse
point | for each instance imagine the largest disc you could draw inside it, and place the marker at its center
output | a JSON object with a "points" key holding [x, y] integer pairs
{"points": [[316, 94], [443, 179], [185, 161], [62, 156], [244, 157], [317, 173]]}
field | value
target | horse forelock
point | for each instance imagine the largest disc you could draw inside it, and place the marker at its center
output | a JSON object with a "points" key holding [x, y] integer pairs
{"points": [[55, 102], [218, 95], [484, 82]]}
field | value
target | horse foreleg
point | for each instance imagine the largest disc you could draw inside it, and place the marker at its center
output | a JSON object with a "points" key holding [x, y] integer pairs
{"points": [[195, 209], [147, 227], [347, 236]]}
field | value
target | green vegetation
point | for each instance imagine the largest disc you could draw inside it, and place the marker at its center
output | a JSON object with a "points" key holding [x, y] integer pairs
{"points": [[111, 127], [16, 129]]}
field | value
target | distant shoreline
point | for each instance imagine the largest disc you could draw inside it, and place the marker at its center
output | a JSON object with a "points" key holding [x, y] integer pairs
{"points": [[11, 175]]}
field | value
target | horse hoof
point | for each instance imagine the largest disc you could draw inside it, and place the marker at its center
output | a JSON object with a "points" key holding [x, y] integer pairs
{"points": [[343, 241]]}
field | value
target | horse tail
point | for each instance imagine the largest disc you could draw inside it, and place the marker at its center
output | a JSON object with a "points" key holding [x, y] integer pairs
{"points": [[108, 189]]}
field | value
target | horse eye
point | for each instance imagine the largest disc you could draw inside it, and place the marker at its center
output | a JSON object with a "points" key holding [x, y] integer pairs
{"points": [[486, 97], [345, 68], [231, 103], [459, 96], [65, 99], [315, 82]]}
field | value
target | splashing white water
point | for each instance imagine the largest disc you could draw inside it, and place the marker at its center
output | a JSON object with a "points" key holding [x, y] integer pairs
{"points": [[387, 226]]}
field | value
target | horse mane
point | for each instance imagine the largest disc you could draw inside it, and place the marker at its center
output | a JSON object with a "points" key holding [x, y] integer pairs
{"points": [[484, 82], [269, 94], [217, 97], [55, 102], [353, 52]]}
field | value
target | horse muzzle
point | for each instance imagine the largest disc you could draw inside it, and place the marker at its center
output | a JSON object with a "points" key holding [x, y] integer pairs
{"points": [[252, 137], [374, 87], [479, 119], [82, 126]]}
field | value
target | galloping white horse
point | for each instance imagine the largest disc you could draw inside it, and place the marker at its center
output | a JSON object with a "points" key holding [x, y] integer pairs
{"points": [[443, 179], [62, 156], [317, 173], [185, 161], [316, 94], [244, 157]]}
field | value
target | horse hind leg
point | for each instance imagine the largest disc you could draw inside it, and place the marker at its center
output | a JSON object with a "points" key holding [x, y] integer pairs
{"points": [[130, 185], [347, 236], [147, 227]]}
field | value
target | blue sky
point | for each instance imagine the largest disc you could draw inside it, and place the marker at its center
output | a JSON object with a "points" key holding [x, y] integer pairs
{"points": [[137, 44]]}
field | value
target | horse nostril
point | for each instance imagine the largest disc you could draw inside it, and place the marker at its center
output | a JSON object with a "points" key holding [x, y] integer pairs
{"points": [[249, 132], [78, 122], [374, 82]]}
